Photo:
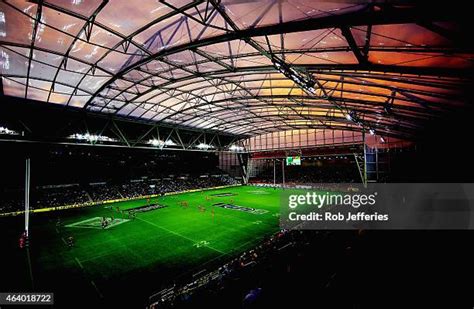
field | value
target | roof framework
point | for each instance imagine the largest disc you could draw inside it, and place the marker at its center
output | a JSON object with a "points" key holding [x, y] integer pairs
{"points": [[241, 67]]}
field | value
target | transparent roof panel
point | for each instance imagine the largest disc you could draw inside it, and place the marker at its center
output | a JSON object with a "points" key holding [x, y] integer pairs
{"points": [[241, 67], [82, 7]]}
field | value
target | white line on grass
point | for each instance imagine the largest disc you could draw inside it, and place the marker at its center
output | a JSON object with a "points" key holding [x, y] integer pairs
{"points": [[97, 289], [177, 234], [79, 263], [91, 281]]}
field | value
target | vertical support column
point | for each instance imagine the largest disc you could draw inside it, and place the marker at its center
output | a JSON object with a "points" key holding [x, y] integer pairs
{"points": [[283, 173], [376, 165], [274, 172], [361, 163], [244, 166], [364, 162], [27, 220], [27, 197]]}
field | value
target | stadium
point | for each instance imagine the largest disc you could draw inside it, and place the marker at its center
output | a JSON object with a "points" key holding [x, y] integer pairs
{"points": [[157, 154]]}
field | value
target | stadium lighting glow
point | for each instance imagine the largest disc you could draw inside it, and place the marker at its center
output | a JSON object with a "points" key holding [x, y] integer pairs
{"points": [[2, 25], [372, 131], [304, 82], [158, 142], [352, 116], [155, 142], [6, 131], [170, 143], [204, 146], [236, 148], [91, 137], [382, 139]]}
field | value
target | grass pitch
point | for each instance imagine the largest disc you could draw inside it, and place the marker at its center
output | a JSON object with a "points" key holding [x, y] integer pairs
{"points": [[142, 251], [143, 248], [174, 235]]}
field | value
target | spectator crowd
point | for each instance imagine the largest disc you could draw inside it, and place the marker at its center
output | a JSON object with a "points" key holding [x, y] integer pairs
{"points": [[252, 279], [311, 175], [77, 194]]}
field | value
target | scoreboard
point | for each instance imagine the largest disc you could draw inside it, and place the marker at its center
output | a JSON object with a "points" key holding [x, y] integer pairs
{"points": [[295, 160]]}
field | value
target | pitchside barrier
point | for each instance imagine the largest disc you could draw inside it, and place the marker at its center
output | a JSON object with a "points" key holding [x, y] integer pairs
{"points": [[38, 210], [271, 185], [319, 186]]}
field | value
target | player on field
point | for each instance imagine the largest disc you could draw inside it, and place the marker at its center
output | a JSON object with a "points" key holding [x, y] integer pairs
{"points": [[104, 222], [70, 242]]}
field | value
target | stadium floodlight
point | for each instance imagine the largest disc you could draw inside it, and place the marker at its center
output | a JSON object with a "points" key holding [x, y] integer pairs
{"points": [[159, 143], [170, 143], [352, 116], [91, 137], [305, 82], [155, 142], [204, 146], [236, 148], [6, 131]]}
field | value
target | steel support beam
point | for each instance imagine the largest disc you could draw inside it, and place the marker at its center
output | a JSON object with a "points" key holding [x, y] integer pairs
{"points": [[359, 18]]}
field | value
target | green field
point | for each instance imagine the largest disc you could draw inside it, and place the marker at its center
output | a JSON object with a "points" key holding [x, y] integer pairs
{"points": [[163, 244], [174, 235]]}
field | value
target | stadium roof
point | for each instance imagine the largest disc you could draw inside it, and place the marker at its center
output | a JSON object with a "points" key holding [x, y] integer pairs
{"points": [[239, 66]]}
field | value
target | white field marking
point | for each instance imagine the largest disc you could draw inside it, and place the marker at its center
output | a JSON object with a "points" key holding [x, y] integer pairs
{"points": [[202, 243], [91, 281], [79, 263], [177, 234], [97, 289], [259, 192], [83, 224]]}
